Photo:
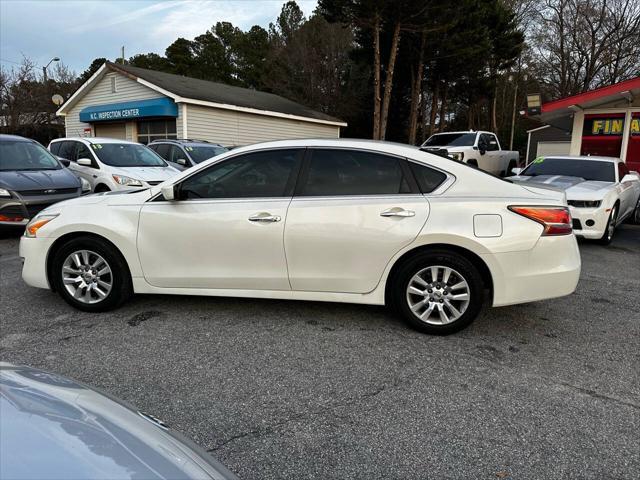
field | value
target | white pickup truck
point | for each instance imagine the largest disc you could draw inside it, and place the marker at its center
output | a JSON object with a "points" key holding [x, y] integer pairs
{"points": [[479, 149]]}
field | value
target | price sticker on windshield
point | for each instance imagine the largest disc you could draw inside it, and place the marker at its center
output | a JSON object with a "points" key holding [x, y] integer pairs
{"points": [[96, 146], [538, 160]]}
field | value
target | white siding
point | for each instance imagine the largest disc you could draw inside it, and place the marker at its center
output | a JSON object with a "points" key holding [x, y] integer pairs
{"points": [[229, 128], [100, 94]]}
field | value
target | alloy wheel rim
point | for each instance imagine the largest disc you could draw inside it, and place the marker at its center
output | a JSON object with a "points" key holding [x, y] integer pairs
{"points": [[438, 295], [87, 276]]}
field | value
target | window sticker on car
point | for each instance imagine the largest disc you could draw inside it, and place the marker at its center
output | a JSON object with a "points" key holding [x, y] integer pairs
{"points": [[539, 160], [189, 149], [96, 146]]}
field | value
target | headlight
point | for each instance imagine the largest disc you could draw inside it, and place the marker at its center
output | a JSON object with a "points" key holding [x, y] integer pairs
{"points": [[458, 156], [584, 203], [37, 223], [4, 193], [131, 182], [86, 186]]}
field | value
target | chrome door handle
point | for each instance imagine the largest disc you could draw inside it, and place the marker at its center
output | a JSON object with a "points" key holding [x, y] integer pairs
{"points": [[398, 212], [265, 217]]}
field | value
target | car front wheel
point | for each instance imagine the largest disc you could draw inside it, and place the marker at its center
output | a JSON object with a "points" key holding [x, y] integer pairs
{"points": [[91, 275], [611, 227], [438, 292]]}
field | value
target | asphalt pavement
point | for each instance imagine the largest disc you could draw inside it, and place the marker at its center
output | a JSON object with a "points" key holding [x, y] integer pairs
{"points": [[297, 390]]}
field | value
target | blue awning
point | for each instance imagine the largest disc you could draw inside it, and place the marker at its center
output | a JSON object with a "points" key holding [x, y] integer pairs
{"points": [[155, 107]]}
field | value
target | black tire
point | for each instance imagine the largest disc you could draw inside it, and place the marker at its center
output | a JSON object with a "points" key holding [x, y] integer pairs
{"points": [[636, 214], [607, 236], [461, 267], [101, 188], [120, 278]]}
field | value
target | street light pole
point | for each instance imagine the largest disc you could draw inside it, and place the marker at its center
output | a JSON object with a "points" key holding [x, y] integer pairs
{"points": [[44, 69]]}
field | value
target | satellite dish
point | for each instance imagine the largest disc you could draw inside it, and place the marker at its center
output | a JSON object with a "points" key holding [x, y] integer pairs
{"points": [[57, 99]]}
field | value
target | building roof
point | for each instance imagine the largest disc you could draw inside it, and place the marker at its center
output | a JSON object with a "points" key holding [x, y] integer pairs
{"points": [[626, 90], [218, 95]]}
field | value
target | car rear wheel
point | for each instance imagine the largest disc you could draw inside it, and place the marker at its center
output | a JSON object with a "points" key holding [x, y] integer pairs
{"points": [[438, 292], [91, 275], [607, 236]]}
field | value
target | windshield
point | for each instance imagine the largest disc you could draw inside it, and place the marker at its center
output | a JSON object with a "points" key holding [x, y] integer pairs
{"points": [[587, 169], [127, 155], [200, 153], [21, 155], [451, 140]]}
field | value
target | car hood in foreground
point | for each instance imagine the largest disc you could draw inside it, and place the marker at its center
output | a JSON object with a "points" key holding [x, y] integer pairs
{"points": [[148, 174], [38, 179], [53, 427], [574, 187]]}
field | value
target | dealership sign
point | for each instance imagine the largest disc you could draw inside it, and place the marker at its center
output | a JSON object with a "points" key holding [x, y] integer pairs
{"points": [[156, 107]]}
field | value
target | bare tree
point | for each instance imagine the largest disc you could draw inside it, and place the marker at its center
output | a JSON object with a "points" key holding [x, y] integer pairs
{"points": [[585, 44]]}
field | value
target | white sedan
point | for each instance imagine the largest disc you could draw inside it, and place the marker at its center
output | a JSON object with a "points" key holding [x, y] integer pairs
{"points": [[323, 220], [601, 192]]}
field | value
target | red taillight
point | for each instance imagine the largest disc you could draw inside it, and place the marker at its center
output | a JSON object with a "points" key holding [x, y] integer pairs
{"points": [[555, 220], [4, 218]]}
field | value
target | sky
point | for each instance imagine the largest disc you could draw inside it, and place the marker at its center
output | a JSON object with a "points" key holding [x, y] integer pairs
{"points": [[77, 31]]}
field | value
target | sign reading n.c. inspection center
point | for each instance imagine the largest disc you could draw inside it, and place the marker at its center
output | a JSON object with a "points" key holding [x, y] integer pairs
{"points": [[155, 107]]}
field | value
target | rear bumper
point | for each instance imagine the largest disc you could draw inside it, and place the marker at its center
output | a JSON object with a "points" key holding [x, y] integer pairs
{"points": [[33, 252], [551, 269]]}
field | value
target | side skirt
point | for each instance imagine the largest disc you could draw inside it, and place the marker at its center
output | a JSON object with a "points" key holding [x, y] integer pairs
{"points": [[374, 298]]}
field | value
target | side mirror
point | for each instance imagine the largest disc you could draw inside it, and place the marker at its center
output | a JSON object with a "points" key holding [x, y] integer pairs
{"points": [[168, 192], [630, 177], [517, 171], [85, 161], [181, 161], [64, 161]]}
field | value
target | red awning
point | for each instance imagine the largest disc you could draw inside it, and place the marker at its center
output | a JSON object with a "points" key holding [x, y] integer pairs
{"points": [[626, 90]]}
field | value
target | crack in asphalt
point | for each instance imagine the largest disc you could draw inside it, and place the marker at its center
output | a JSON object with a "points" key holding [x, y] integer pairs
{"points": [[315, 412]]}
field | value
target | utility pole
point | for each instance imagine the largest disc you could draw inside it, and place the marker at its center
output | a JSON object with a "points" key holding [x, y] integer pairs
{"points": [[122, 56]]}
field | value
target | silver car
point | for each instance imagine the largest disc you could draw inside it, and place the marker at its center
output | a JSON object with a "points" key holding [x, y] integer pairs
{"points": [[56, 428]]}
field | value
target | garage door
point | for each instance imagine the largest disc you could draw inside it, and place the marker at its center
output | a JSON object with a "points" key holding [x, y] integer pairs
{"points": [[111, 130], [553, 148]]}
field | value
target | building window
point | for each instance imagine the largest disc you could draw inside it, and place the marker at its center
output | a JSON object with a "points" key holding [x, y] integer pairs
{"points": [[150, 130], [114, 85], [602, 134]]}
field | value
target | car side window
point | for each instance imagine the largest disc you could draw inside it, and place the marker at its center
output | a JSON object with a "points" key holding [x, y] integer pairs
{"points": [[336, 172], [254, 175], [176, 153], [162, 149], [489, 141], [67, 151], [83, 152], [428, 178]]}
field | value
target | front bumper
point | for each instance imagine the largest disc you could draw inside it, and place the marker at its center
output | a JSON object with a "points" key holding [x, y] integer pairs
{"points": [[551, 269], [582, 217], [33, 252]]}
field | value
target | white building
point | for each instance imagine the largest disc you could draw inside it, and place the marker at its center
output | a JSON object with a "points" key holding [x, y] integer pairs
{"points": [[141, 105]]}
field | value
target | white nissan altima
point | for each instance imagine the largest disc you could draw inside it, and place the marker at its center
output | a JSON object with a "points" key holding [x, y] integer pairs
{"points": [[326, 220]]}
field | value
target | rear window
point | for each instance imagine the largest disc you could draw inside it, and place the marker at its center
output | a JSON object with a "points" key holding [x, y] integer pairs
{"points": [[451, 140], [587, 169], [428, 179]]}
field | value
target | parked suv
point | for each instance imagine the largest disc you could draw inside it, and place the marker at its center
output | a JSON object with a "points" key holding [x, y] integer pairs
{"points": [[185, 153], [31, 179], [112, 164]]}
